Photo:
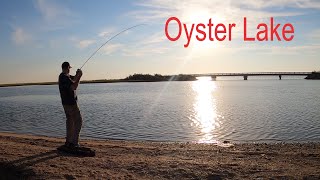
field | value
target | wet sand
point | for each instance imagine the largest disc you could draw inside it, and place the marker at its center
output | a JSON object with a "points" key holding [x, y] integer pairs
{"points": [[36, 157]]}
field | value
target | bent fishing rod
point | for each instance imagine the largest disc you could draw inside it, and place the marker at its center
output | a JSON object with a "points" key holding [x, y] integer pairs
{"points": [[109, 41]]}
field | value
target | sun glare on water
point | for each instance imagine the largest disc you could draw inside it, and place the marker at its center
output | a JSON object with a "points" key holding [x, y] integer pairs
{"points": [[205, 116]]}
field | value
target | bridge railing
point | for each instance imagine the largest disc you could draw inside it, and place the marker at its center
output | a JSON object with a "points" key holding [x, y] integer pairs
{"points": [[252, 74]]}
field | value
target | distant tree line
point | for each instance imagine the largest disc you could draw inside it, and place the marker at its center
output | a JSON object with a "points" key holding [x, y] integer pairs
{"points": [[159, 77], [314, 75]]}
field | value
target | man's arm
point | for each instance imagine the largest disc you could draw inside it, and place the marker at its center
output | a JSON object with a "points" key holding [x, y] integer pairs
{"points": [[76, 80]]}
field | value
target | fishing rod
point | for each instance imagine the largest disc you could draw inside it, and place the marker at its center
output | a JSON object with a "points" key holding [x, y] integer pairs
{"points": [[109, 41]]}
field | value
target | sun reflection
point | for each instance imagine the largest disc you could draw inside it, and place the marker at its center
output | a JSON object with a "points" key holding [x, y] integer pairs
{"points": [[205, 117]]}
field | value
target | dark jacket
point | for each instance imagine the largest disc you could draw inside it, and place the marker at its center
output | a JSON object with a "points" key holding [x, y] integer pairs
{"points": [[68, 96]]}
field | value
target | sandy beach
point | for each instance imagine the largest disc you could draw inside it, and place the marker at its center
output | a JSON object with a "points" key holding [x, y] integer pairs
{"points": [[36, 157]]}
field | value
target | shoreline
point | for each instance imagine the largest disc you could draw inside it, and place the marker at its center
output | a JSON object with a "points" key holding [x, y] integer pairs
{"points": [[30, 156], [131, 78], [100, 82], [81, 82]]}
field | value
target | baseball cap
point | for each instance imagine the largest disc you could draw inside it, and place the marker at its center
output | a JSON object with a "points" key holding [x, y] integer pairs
{"points": [[65, 65]]}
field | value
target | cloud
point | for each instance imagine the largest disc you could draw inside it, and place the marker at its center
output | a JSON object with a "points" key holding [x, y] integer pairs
{"points": [[85, 43], [56, 16], [295, 50], [112, 48], [158, 10], [145, 50], [20, 36], [150, 45], [314, 35], [154, 39], [130, 49], [107, 32], [303, 4], [312, 49]]}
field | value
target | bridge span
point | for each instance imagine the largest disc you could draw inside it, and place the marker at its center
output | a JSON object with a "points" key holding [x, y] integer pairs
{"points": [[245, 75]]}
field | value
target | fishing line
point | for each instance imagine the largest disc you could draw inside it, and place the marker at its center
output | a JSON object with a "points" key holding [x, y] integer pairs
{"points": [[109, 41]]}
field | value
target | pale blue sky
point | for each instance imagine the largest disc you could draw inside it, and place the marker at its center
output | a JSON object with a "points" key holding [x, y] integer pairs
{"points": [[37, 36]]}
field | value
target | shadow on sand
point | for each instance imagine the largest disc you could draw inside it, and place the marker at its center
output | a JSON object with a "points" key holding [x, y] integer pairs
{"points": [[22, 168]]}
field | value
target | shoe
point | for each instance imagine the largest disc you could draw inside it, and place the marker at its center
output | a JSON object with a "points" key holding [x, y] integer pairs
{"points": [[75, 146], [71, 145]]}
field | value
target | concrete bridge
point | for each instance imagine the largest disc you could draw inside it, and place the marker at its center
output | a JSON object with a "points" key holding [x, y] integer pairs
{"points": [[245, 75]]}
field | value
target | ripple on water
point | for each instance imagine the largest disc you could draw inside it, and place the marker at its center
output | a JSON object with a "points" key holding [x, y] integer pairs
{"points": [[261, 111]]}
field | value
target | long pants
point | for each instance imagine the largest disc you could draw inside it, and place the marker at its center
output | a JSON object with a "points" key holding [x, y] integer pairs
{"points": [[73, 123]]}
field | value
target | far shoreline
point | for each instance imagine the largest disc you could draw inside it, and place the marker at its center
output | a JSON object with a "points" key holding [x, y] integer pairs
{"points": [[97, 82], [138, 78], [131, 78], [81, 82]]}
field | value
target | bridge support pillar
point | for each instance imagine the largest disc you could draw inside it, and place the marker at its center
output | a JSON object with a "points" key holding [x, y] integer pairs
{"points": [[213, 78], [245, 77], [280, 76]]}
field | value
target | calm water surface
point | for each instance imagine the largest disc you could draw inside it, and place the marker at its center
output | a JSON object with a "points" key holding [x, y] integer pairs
{"points": [[199, 111]]}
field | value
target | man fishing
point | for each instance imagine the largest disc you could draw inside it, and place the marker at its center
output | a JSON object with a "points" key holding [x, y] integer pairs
{"points": [[67, 86]]}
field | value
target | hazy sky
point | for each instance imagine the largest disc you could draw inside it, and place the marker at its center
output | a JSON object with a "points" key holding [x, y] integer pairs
{"points": [[37, 36]]}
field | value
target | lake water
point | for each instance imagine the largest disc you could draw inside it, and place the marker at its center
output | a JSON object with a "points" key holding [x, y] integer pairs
{"points": [[266, 110]]}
